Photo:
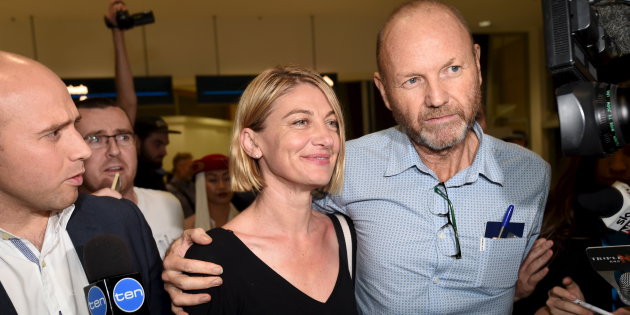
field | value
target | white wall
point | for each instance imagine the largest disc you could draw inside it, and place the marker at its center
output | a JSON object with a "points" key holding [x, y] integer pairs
{"points": [[185, 47], [200, 136]]}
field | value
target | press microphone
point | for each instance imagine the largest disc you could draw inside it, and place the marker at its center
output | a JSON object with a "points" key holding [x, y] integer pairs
{"points": [[613, 264], [612, 204], [114, 288]]}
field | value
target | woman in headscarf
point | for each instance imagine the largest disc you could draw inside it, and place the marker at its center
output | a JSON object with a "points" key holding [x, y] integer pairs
{"points": [[212, 193]]}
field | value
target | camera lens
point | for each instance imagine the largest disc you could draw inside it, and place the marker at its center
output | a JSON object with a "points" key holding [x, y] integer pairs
{"points": [[611, 112], [594, 118]]}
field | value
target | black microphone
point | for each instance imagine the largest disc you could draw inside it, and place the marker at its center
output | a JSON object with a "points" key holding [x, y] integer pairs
{"points": [[114, 288], [612, 204]]}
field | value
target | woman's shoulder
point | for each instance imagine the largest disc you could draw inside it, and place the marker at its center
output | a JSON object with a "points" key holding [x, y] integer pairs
{"points": [[222, 245]]}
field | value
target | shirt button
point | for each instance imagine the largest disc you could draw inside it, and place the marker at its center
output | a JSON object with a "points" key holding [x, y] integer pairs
{"points": [[441, 235], [436, 280], [43, 264]]}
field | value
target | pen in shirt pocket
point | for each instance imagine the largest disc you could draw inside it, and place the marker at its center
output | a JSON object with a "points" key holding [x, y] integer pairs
{"points": [[506, 220]]}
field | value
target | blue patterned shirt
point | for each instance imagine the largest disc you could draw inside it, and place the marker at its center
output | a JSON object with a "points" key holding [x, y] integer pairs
{"points": [[403, 266]]}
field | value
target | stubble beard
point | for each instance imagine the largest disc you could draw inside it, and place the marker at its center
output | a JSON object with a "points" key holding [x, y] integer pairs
{"points": [[442, 137]]}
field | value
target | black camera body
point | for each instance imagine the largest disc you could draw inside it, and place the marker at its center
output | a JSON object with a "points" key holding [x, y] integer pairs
{"points": [[594, 116], [125, 21]]}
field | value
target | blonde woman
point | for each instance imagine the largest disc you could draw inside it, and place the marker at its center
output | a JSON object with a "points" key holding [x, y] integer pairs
{"points": [[280, 256]]}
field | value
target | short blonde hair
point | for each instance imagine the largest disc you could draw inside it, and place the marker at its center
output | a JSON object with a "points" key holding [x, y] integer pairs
{"points": [[253, 109]]}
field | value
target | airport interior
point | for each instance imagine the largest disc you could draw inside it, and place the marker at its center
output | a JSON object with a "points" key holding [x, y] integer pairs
{"points": [[192, 60], [191, 63]]}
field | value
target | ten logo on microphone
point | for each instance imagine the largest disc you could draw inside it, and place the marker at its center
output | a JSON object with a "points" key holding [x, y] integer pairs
{"points": [[128, 295], [114, 289], [96, 301]]}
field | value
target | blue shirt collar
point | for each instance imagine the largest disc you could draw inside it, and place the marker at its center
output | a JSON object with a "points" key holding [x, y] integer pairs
{"points": [[403, 155]]}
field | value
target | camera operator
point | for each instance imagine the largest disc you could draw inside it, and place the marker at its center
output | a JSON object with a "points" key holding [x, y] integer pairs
{"points": [[573, 229], [125, 90]]}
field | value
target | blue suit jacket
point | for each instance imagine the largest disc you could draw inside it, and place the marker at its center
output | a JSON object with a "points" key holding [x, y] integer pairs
{"points": [[104, 215]]}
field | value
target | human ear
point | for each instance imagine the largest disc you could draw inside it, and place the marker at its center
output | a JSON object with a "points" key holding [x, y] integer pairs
{"points": [[249, 144], [378, 80], [477, 51]]}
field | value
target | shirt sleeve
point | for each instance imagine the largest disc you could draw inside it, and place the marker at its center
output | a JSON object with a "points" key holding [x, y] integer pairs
{"points": [[542, 202], [330, 204]]}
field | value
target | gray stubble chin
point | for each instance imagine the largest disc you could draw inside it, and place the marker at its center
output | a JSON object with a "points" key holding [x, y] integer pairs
{"points": [[433, 139], [444, 138]]}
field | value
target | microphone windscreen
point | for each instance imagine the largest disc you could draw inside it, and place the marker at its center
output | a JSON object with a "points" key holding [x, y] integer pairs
{"points": [[615, 19], [106, 255], [624, 287], [605, 202]]}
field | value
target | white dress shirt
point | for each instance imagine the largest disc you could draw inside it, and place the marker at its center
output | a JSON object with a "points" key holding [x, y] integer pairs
{"points": [[46, 282]]}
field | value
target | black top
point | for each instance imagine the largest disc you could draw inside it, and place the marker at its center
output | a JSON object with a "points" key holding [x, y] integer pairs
{"points": [[149, 177], [252, 287]]}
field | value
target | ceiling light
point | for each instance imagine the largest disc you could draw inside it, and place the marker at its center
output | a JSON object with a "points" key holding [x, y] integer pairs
{"points": [[328, 80], [485, 23], [77, 90]]}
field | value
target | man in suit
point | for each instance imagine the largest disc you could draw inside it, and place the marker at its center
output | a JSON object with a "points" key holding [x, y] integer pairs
{"points": [[43, 227]]}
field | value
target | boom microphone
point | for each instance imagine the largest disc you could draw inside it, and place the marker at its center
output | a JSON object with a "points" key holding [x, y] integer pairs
{"points": [[612, 204], [114, 288]]}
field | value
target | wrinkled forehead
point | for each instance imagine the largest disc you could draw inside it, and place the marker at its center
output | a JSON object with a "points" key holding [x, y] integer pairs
{"points": [[421, 40], [109, 118], [37, 103]]}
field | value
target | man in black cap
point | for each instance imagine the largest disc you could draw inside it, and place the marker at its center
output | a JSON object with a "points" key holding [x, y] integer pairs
{"points": [[152, 139]]}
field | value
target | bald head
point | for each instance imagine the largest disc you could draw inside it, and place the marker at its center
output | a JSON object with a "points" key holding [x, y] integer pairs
{"points": [[18, 70], [433, 12], [20, 79], [42, 152]]}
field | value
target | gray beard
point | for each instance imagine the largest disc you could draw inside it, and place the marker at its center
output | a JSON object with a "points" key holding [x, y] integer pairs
{"points": [[430, 139], [441, 138]]}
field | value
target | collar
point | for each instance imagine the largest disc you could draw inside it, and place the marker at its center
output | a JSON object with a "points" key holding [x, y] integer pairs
{"points": [[403, 155], [60, 220]]}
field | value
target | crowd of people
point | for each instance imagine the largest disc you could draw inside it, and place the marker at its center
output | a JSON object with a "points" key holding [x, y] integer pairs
{"points": [[296, 219]]}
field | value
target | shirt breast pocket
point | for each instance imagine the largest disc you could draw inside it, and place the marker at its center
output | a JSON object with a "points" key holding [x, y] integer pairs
{"points": [[500, 261]]}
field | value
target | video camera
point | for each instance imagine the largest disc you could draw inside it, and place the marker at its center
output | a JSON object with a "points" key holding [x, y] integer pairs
{"points": [[588, 43], [125, 21]]}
